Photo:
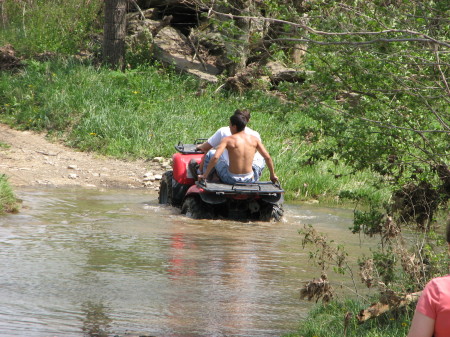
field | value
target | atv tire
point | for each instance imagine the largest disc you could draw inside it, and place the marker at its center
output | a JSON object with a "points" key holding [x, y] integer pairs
{"points": [[165, 189], [277, 212], [193, 207], [271, 212]]}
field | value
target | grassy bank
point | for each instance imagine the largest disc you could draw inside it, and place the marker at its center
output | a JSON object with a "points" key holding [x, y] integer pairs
{"points": [[328, 321], [146, 111], [8, 202]]}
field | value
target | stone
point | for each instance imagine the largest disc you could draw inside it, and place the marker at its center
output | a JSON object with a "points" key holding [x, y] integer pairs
{"points": [[148, 175], [173, 48]]}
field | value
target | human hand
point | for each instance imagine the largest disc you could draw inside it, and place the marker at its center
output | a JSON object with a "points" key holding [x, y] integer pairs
{"points": [[273, 178]]}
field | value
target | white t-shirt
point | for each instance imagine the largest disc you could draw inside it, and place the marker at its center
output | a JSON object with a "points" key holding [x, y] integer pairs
{"points": [[225, 131]]}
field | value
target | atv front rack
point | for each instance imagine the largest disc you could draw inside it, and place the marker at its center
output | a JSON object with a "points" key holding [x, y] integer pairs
{"points": [[190, 148]]}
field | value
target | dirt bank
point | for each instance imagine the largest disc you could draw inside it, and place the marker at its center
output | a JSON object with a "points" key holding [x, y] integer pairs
{"points": [[29, 159]]}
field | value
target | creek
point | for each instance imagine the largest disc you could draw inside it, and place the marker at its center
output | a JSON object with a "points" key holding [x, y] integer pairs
{"points": [[80, 262]]}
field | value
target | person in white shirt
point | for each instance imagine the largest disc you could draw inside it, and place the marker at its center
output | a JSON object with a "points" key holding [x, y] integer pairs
{"points": [[214, 141]]}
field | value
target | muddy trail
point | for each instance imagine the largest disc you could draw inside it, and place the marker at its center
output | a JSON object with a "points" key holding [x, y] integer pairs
{"points": [[30, 159]]}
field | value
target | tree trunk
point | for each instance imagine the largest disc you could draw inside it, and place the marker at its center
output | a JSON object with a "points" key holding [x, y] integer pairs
{"points": [[237, 41], [114, 33]]}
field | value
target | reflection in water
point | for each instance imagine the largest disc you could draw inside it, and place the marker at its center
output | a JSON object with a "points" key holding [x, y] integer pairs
{"points": [[178, 264], [96, 322], [115, 263]]}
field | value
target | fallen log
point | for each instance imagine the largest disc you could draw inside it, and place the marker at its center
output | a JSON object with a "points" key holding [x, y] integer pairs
{"points": [[387, 303]]}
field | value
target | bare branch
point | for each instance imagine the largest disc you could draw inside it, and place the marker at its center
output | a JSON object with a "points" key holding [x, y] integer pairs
{"points": [[424, 37], [387, 125], [355, 43], [444, 79]]}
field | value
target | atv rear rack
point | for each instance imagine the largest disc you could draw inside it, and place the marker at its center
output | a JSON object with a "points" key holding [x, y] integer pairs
{"points": [[262, 187]]}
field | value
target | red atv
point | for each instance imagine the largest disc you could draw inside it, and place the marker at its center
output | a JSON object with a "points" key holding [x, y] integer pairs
{"points": [[260, 201]]}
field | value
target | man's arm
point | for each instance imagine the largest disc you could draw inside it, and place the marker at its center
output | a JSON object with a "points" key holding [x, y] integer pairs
{"points": [[204, 147], [269, 162], [212, 141], [222, 146]]}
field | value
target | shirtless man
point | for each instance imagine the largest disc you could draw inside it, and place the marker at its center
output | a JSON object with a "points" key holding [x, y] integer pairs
{"points": [[241, 150], [214, 141]]}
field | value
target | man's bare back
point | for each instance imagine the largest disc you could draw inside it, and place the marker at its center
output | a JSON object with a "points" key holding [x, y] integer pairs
{"points": [[241, 150]]}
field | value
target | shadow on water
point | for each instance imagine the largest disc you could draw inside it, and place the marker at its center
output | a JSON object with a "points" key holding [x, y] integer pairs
{"points": [[80, 262]]}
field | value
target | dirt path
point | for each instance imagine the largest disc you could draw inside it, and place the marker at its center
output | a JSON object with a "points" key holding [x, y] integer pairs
{"points": [[28, 159]]}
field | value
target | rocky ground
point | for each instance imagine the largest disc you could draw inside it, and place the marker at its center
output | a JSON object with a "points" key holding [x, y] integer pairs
{"points": [[29, 159]]}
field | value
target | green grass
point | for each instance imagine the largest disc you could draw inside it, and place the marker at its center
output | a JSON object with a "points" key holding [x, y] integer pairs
{"points": [[328, 321], [144, 112], [4, 146], [8, 202], [48, 25]]}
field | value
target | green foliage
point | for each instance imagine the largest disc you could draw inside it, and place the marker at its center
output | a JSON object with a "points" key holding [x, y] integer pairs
{"points": [[386, 120], [435, 254], [140, 52], [385, 265], [329, 320], [370, 223], [327, 253], [49, 26], [8, 202], [378, 89]]}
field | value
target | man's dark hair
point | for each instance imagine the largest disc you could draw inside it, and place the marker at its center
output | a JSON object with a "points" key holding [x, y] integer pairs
{"points": [[244, 112], [239, 121]]}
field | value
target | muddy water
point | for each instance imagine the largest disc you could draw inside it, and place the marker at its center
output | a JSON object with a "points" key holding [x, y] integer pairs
{"points": [[114, 263]]}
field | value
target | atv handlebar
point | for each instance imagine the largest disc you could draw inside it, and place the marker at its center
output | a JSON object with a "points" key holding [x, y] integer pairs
{"points": [[190, 148]]}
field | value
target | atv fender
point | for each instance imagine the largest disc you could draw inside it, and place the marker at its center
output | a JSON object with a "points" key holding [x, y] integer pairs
{"points": [[181, 174], [207, 197], [273, 199]]}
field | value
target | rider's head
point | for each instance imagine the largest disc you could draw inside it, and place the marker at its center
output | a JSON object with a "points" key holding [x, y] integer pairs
{"points": [[238, 121], [244, 112]]}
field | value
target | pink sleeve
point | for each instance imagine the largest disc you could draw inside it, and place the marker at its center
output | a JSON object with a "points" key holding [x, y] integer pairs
{"points": [[429, 301]]}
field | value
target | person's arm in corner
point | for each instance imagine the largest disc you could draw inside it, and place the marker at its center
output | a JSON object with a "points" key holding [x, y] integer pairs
{"points": [[421, 326], [269, 162]]}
